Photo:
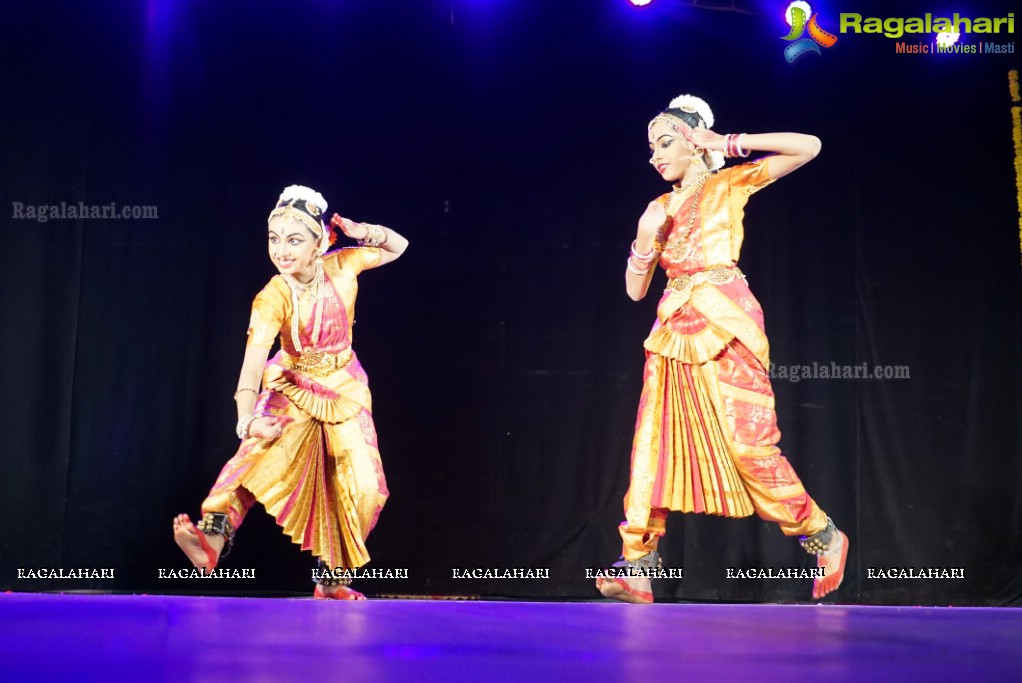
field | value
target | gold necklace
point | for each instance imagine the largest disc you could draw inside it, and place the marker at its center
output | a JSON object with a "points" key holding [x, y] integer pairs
{"points": [[675, 247], [681, 187]]}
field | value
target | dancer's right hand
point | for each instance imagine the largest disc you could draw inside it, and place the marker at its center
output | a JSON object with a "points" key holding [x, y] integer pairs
{"points": [[268, 427]]}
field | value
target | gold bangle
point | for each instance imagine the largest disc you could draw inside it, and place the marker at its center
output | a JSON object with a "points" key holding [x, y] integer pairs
{"points": [[243, 390]]}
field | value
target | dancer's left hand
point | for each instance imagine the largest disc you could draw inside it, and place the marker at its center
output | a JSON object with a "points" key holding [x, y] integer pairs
{"points": [[356, 231], [702, 137]]}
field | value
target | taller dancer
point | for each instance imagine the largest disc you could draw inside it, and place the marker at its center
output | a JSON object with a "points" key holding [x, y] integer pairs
{"points": [[706, 434], [308, 444]]}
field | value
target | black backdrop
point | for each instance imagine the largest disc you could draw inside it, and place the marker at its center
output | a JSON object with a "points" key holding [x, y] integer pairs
{"points": [[506, 141]]}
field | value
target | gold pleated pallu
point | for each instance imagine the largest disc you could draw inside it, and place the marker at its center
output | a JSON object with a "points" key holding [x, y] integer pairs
{"points": [[322, 479], [681, 457], [683, 453], [705, 438]]}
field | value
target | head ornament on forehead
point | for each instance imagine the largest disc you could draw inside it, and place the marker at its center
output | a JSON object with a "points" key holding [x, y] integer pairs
{"points": [[300, 204], [693, 112]]}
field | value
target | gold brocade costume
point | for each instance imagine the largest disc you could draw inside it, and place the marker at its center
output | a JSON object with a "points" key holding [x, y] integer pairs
{"points": [[706, 432], [322, 478]]}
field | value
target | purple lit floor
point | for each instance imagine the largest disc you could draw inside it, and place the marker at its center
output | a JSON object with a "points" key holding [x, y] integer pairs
{"points": [[160, 638]]}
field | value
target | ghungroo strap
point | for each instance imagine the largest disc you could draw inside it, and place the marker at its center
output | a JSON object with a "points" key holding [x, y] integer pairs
{"points": [[819, 543], [213, 523], [648, 561], [329, 577]]}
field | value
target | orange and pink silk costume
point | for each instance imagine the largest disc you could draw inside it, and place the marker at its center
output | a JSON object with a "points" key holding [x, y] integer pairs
{"points": [[706, 433], [322, 479]]}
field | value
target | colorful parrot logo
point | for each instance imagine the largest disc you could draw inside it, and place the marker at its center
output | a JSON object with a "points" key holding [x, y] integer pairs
{"points": [[797, 15]]}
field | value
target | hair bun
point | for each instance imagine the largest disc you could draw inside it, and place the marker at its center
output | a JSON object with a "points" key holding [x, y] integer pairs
{"points": [[693, 105], [306, 194]]}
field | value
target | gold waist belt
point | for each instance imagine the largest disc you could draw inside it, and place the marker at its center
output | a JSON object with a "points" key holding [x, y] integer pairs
{"points": [[317, 363], [718, 275]]}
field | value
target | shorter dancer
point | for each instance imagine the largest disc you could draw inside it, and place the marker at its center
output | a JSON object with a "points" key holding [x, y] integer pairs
{"points": [[308, 444]]}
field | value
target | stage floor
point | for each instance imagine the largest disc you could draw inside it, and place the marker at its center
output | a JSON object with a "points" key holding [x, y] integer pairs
{"points": [[48, 637]]}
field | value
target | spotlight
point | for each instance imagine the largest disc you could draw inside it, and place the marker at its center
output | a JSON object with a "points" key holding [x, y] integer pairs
{"points": [[640, 3]]}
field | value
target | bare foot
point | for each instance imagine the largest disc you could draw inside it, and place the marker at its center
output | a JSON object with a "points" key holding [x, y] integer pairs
{"points": [[203, 551], [833, 564], [336, 593], [634, 589]]}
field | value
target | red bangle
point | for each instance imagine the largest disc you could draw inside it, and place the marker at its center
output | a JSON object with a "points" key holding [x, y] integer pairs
{"points": [[731, 145]]}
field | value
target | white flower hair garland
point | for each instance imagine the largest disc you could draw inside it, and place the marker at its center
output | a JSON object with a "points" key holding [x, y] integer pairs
{"points": [[306, 194], [693, 104]]}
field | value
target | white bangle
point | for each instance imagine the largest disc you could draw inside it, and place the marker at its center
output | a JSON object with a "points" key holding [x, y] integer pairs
{"points": [[643, 258], [636, 270], [742, 152], [243, 424]]}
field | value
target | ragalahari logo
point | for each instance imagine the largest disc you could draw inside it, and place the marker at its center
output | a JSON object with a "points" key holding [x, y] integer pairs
{"points": [[800, 17]]}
